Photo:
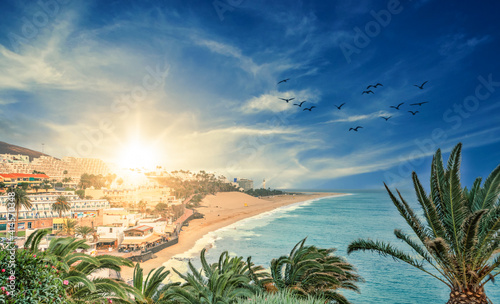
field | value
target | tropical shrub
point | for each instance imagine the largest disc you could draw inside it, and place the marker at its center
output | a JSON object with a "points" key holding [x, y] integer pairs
{"points": [[152, 289], [36, 279], [457, 236], [77, 269], [219, 283], [281, 297], [312, 271]]}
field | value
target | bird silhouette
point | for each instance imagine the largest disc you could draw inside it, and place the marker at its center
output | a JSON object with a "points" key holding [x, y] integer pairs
{"points": [[418, 103], [355, 129], [300, 105], [309, 109], [421, 87], [397, 107], [374, 86], [338, 107], [386, 118], [284, 80], [413, 112], [367, 92], [287, 100]]}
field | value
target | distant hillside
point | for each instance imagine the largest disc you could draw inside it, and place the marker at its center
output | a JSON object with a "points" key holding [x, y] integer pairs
{"points": [[6, 148]]}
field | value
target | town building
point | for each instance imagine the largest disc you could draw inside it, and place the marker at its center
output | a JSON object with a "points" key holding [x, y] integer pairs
{"points": [[120, 217], [17, 179], [57, 169], [110, 236], [246, 184], [150, 195], [140, 237], [88, 212]]}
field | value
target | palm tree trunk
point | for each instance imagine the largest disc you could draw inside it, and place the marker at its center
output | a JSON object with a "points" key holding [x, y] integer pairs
{"points": [[468, 297], [16, 222]]}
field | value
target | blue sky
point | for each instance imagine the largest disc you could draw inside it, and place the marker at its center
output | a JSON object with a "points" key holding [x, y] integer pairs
{"points": [[196, 83]]}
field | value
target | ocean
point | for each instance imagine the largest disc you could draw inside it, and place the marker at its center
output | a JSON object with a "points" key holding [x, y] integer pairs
{"points": [[333, 222]]}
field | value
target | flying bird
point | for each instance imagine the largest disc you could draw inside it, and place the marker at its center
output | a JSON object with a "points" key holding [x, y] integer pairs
{"points": [[397, 108], [355, 129], [338, 107], [309, 109], [284, 80], [367, 92], [413, 112], [300, 105], [420, 86], [386, 118], [418, 103], [374, 86], [287, 100]]}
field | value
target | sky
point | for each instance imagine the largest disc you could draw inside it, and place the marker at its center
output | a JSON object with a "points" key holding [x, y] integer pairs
{"points": [[193, 85]]}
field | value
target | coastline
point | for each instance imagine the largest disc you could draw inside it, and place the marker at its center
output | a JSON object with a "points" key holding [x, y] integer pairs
{"points": [[221, 210]]}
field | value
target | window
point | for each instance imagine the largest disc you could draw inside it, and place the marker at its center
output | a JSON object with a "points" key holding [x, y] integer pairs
{"points": [[110, 230], [29, 225]]}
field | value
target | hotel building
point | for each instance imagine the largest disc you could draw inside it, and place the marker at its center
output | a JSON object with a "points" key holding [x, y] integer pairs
{"points": [[88, 212]]}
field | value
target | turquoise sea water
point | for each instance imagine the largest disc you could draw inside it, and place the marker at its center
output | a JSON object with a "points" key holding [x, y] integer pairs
{"points": [[334, 222]]}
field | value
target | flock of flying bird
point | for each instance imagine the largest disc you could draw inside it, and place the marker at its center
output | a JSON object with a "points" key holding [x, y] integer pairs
{"points": [[368, 92], [295, 104]]}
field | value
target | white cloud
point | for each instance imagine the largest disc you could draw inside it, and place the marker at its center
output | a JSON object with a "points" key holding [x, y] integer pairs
{"points": [[353, 118], [246, 63], [271, 102]]}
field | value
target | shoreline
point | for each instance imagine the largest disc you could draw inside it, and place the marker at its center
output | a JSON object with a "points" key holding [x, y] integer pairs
{"points": [[220, 210]]}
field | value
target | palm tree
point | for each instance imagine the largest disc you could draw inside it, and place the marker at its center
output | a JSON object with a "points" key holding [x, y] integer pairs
{"points": [[61, 205], [84, 231], [212, 284], [150, 290], [20, 200], [458, 234], [312, 271], [68, 227], [78, 268], [142, 206]]}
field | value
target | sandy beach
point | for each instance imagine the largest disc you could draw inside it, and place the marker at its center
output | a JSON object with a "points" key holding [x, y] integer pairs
{"points": [[220, 210]]}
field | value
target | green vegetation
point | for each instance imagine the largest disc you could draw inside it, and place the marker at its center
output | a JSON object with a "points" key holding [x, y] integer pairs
{"points": [[202, 183], [35, 280], [231, 280], [150, 289], [96, 181], [61, 205], [80, 193], [21, 199], [74, 269], [280, 297], [222, 282], [458, 238], [263, 192], [312, 271]]}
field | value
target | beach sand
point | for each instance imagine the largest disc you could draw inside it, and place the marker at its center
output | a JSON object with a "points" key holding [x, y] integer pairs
{"points": [[220, 210]]}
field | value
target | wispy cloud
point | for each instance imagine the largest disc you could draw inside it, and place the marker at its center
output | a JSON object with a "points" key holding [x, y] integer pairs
{"points": [[271, 102], [362, 117]]}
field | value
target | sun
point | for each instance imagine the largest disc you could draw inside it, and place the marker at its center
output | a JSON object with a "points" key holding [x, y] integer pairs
{"points": [[136, 154]]}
